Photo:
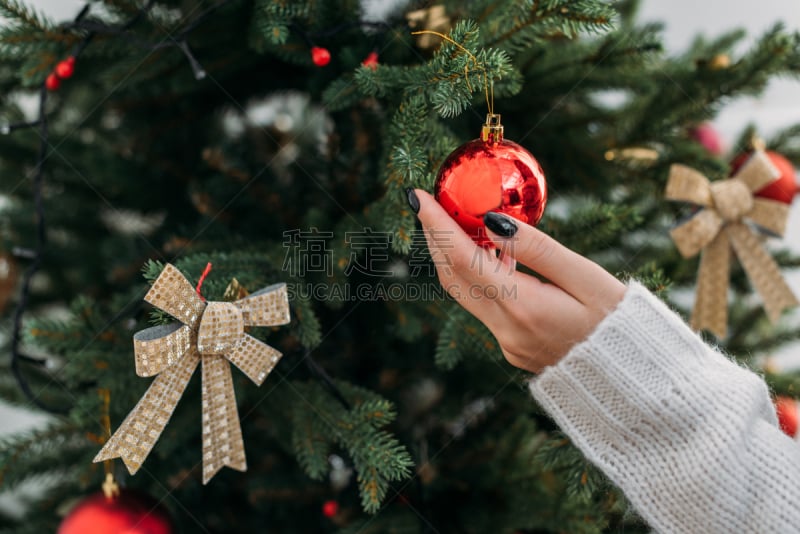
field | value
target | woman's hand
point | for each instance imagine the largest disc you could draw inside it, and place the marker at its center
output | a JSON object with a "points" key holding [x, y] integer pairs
{"points": [[536, 323]]}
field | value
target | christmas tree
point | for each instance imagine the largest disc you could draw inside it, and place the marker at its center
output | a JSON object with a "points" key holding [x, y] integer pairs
{"points": [[275, 140]]}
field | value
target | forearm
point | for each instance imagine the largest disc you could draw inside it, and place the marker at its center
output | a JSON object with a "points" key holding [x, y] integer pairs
{"points": [[690, 437]]}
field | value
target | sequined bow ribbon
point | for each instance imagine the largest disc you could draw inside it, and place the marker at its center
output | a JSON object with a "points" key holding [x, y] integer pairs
{"points": [[210, 333], [720, 227]]}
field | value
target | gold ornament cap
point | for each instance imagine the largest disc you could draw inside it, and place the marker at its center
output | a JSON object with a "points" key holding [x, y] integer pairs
{"points": [[492, 131], [757, 143], [719, 62], [110, 487]]}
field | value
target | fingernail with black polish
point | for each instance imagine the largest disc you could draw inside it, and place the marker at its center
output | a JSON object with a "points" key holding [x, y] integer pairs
{"points": [[413, 201], [499, 224]]}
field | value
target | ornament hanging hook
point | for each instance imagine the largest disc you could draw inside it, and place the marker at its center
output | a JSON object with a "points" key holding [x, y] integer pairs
{"points": [[488, 87], [110, 487], [757, 142], [201, 280]]}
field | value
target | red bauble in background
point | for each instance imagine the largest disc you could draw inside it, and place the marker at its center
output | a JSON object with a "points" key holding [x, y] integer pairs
{"points": [[707, 135], [490, 174], [371, 61], [783, 188], [130, 513], [786, 408]]}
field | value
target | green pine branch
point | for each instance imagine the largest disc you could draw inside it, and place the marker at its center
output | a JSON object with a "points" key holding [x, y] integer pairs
{"points": [[20, 14], [320, 422]]}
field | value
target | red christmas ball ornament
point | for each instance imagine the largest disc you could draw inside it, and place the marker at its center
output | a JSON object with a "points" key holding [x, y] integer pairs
{"points": [[490, 174], [65, 68], [130, 512], [320, 56], [783, 188], [52, 82], [707, 135], [371, 61], [330, 508], [786, 408]]}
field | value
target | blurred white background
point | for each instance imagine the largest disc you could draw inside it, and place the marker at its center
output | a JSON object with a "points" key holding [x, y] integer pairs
{"points": [[683, 19]]}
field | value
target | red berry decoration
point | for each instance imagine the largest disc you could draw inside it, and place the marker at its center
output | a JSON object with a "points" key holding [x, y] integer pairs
{"points": [[129, 512], [783, 188], [52, 82], [490, 174], [329, 508], [786, 408], [320, 56], [371, 61], [65, 68]]}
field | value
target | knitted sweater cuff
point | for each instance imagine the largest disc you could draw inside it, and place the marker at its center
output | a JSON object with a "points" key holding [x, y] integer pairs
{"points": [[647, 401], [641, 362]]}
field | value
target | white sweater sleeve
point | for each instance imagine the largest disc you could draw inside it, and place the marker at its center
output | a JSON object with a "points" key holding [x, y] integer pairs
{"points": [[689, 436]]}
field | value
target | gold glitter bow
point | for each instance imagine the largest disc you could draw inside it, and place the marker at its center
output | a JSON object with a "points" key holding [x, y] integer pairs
{"points": [[209, 332], [720, 226]]}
